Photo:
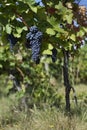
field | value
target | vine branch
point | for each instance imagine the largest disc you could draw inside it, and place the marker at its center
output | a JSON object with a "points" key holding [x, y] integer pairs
{"points": [[22, 19]]}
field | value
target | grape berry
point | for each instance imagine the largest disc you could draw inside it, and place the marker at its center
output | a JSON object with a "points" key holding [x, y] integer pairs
{"points": [[54, 55], [12, 41], [34, 38]]}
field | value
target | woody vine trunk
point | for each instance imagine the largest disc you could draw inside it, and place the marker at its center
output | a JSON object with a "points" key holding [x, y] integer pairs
{"points": [[66, 79]]}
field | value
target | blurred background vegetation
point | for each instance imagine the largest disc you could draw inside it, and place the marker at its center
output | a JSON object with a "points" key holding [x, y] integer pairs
{"points": [[40, 102]]}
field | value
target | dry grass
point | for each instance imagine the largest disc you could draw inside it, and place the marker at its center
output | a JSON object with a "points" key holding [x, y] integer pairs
{"points": [[11, 118], [47, 119]]}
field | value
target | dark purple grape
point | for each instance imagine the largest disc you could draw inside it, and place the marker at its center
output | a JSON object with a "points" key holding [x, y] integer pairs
{"points": [[38, 35], [29, 36], [12, 41], [54, 54], [33, 29], [34, 38]]}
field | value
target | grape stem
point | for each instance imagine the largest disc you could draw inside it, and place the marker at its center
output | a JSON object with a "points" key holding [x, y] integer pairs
{"points": [[21, 18], [22, 74]]}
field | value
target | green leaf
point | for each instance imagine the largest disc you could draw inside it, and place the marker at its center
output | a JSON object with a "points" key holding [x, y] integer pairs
{"points": [[68, 18], [3, 19], [73, 37], [80, 33], [30, 2], [85, 29], [69, 46], [47, 52], [58, 29], [19, 30], [50, 31], [8, 29], [25, 28], [61, 9], [50, 47], [1, 66], [34, 9], [59, 6], [18, 35], [4, 38], [40, 14], [22, 7], [52, 20], [12, 64]]}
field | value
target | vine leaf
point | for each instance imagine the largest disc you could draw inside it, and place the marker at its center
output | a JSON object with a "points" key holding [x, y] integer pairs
{"points": [[50, 31], [47, 52], [8, 29], [72, 37]]}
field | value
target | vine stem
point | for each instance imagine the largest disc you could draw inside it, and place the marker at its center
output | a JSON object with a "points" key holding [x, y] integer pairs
{"points": [[22, 19], [67, 84], [22, 74]]}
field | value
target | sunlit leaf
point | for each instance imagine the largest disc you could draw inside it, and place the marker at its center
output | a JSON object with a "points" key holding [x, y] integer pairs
{"points": [[80, 33], [8, 29], [34, 9], [68, 18], [19, 30], [50, 47], [50, 31], [73, 37], [47, 52]]}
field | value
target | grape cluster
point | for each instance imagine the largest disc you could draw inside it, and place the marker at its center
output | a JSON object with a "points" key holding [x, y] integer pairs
{"points": [[34, 38], [12, 41], [54, 55]]}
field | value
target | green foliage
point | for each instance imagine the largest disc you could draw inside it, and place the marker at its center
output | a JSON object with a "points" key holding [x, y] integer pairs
{"points": [[29, 14], [80, 66], [56, 20]]}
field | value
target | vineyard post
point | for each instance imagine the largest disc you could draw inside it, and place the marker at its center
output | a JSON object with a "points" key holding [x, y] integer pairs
{"points": [[66, 80]]}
